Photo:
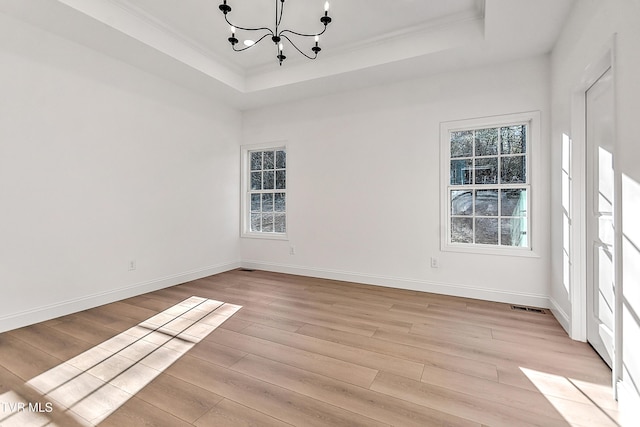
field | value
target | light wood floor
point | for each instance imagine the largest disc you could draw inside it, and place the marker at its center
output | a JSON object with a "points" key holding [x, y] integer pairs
{"points": [[311, 352]]}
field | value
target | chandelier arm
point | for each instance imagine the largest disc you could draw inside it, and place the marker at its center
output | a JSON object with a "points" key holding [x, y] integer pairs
{"points": [[302, 34], [249, 47], [249, 29], [298, 49]]}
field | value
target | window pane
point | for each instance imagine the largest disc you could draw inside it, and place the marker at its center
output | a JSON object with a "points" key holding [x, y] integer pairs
{"points": [[256, 180], [488, 186], [267, 223], [269, 160], [461, 202], [281, 180], [514, 169], [513, 232], [255, 202], [514, 139], [487, 142], [267, 202], [256, 160], [281, 159], [462, 144], [267, 180], [280, 225], [255, 222], [486, 170], [487, 231], [462, 230], [514, 202], [486, 202], [280, 202], [267, 185], [460, 172]]}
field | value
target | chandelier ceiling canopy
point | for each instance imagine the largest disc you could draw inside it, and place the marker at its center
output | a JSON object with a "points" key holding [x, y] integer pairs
{"points": [[277, 34]]}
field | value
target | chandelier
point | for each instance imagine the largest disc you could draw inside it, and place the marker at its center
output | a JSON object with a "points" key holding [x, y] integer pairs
{"points": [[277, 34]]}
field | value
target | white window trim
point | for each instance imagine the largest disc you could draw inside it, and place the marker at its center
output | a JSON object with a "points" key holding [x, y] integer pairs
{"points": [[533, 169], [245, 203]]}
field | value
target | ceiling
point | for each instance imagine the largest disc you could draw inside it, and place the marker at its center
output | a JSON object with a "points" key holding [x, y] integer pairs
{"points": [[369, 42]]}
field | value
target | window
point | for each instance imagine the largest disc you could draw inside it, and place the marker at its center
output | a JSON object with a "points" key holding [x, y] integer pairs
{"points": [[488, 192], [265, 184]]}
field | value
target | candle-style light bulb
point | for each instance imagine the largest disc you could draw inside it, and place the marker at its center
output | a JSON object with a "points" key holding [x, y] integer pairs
{"points": [[325, 19], [316, 48], [281, 47], [233, 40]]}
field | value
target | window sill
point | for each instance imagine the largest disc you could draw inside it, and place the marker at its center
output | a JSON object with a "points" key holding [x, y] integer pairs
{"points": [[491, 250], [265, 236]]}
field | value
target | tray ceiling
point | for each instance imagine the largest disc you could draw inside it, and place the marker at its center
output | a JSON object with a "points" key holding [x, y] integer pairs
{"points": [[369, 41]]}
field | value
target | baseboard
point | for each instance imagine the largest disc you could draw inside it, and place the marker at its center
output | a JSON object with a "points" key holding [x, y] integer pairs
{"points": [[40, 314], [404, 283], [561, 316]]}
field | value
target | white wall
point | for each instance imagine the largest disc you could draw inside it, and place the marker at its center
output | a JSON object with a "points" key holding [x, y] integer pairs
{"points": [[363, 183], [585, 37], [101, 164]]}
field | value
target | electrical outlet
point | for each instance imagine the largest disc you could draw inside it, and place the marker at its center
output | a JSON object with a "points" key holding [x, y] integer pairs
{"points": [[292, 250], [132, 265], [435, 262]]}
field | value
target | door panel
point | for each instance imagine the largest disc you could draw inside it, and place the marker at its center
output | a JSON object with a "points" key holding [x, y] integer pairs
{"points": [[600, 226]]}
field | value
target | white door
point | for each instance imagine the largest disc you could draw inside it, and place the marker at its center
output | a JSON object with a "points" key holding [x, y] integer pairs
{"points": [[600, 231]]}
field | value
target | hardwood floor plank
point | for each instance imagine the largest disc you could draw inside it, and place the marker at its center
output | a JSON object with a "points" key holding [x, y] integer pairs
{"points": [[282, 404], [374, 320], [51, 341], [560, 386], [235, 324], [269, 320], [548, 342], [179, 398], [9, 381], [471, 407], [103, 316], [438, 328], [211, 350], [132, 311], [497, 352], [84, 330], [539, 322], [425, 357], [138, 413], [314, 362], [22, 359], [228, 413], [514, 397], [363, 307], [581, 414], [347, 353], [346, 396], [316, 317], [148, 302]]}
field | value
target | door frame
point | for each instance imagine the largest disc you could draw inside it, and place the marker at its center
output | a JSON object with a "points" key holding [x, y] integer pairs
{"points": [[578, 290]]}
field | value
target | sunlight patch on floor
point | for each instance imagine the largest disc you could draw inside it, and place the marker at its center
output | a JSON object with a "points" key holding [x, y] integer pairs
{"points": [[579, 402], [91, 386]]}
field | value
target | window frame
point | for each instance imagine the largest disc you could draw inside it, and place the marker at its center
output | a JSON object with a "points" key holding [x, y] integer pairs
{"points": [[245, 191], [532, 120]]}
